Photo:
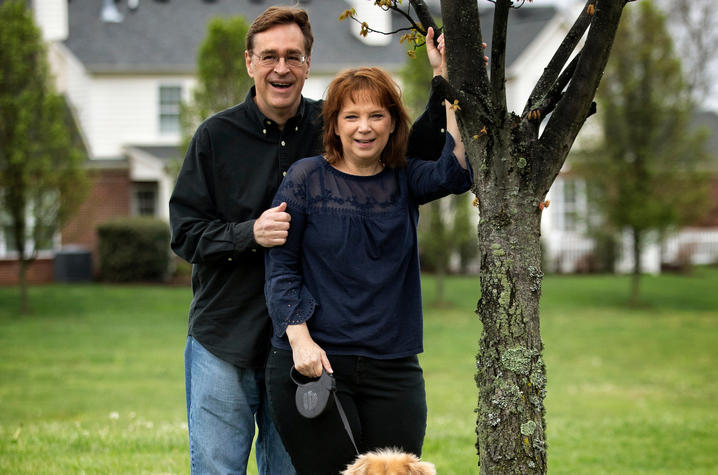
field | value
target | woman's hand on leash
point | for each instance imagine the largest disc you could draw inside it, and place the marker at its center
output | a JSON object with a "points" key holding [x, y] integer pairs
{"points": [[309, 358]]}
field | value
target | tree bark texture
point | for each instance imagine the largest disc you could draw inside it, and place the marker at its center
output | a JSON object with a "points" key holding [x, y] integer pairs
{"points": [[510, 370], [17, 210], [636, 246]]}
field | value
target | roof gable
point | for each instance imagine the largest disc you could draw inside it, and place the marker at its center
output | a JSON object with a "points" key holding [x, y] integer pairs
{"points": [[163, 36]]}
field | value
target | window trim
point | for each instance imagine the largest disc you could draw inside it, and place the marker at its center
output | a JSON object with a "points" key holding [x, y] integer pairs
{"points": [[167, 110]]}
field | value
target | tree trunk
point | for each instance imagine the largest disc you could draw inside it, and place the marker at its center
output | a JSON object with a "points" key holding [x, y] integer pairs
{"points": [[514, 167], [636, 274], [17, 212], [22, 282], [511, 376]]}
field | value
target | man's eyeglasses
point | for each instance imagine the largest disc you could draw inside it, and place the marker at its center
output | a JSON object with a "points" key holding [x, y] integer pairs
{"points": [[292, 60]]}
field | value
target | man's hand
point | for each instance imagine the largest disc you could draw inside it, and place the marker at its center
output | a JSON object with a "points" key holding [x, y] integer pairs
{"points": [[272, 227]]}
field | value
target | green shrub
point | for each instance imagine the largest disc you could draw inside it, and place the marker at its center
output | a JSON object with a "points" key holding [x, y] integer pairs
{"points": [[134, 249]]}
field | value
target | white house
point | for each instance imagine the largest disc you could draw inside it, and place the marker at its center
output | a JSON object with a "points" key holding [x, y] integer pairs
{"points": [[125, 65]]}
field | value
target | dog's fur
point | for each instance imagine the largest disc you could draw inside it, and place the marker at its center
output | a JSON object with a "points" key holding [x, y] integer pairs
{"points": [[389, 462]]}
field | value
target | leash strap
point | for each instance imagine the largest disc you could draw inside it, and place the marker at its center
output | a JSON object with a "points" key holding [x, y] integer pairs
{"points": [[345, 421]]}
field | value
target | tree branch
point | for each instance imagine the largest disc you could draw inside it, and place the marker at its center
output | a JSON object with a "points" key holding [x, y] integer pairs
{"points": [[554, 67], [575, 104], [466, 67], [498, 55], [368, 29], [422, 11], [548, 102], [425, 17]]}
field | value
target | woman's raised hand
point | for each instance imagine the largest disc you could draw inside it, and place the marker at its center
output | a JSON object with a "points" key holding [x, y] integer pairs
{"points": [[436, 53]]}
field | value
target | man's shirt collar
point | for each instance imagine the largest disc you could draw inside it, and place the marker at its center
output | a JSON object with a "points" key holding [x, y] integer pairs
{"points": [[262, 121]]}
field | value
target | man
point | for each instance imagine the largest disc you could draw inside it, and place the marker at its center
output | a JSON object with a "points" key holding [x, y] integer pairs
{"points": [[221, 224]]}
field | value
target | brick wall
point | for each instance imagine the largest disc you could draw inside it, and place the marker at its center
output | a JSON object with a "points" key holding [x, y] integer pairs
{"points": [[39, 271], [109, 197], [710, 220]]}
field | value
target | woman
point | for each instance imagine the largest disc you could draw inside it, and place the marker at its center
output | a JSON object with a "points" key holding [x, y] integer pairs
{"points": [[344, 291]]}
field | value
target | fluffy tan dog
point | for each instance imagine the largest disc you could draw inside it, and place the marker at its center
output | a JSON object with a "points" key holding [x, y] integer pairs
{"points": [[389, 462]]}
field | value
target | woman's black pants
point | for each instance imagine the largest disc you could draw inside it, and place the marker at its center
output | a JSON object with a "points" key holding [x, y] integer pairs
{"points": [[384, 400]]}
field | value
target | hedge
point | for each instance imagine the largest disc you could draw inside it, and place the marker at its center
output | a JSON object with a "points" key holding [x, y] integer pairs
{"points": [[134, 249]]}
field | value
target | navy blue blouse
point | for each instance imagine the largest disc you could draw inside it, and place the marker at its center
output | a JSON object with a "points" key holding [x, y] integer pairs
{"points": [[350, 266]]}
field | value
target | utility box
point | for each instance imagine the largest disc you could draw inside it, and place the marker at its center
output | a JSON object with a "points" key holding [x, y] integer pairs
{"points": [[73, 264]]}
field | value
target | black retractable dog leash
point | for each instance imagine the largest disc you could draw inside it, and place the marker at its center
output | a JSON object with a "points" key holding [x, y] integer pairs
{"points": [[312, 397]]}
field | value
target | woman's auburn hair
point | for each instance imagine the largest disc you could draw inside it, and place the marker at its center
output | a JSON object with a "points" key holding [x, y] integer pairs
{"points": [[360, 84]]}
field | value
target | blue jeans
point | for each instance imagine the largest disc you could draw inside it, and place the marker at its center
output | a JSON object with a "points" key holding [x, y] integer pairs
{"points": [[222, 403]]}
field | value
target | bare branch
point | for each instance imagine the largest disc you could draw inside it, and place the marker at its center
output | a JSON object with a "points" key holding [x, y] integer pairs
{"points": [[694, 26], [498, 55], [421, 28], [549, 101], [425, 17], [563, 53], [575, 104], [366, 28], [466, 67]]}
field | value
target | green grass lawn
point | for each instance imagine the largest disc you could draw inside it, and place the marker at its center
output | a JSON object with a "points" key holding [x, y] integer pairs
{"points": [[92, 381]]}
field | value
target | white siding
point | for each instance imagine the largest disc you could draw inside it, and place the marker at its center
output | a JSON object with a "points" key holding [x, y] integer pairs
{"points": [[529, 66], [650, 254], [316, 86], [375, 18], [51, 17], [563, 227], [125, 110], [695, 245], [72, 80]]}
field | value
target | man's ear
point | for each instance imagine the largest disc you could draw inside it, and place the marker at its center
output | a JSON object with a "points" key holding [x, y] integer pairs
{"points": [[248, 64]]}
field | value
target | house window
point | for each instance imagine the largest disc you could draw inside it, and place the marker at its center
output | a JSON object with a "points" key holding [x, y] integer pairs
{"points": [[7, 241], [570, 212], [144, 197], [170, 98], [45, 238]]}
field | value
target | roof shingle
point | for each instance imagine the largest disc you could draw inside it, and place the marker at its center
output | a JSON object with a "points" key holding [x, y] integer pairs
{"points": [[163, 36]]}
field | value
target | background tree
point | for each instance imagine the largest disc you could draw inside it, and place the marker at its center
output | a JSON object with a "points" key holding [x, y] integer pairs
{"points": [[646, 175], [222, 79], [415, 82], [694, 26], [436, 244], [515, 161], [42, 175]]}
